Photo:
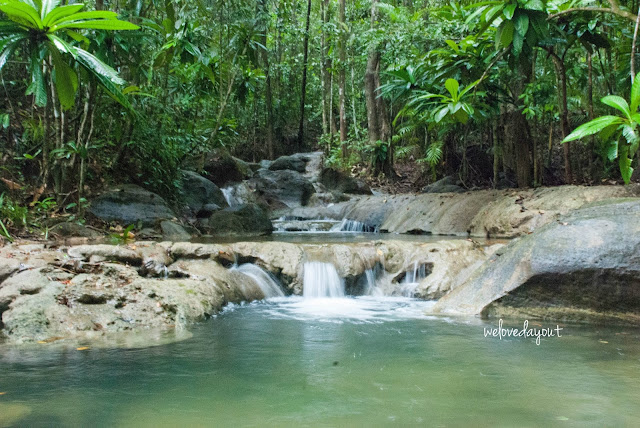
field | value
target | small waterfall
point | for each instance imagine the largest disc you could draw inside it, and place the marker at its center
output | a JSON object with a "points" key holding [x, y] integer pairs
{"points": [[262, 278], [372, 288], [321, 280], [354, 226], [229, 196], [412, 279]]}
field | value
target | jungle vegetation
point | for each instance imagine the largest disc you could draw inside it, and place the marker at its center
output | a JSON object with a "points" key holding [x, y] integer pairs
{"points": [[134, 90]]}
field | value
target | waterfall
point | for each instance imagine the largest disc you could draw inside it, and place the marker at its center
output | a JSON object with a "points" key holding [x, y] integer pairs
{"points": [[412, 279], [229, 196], [321, 280], [262, 278], [354, 226], [372, 288]]}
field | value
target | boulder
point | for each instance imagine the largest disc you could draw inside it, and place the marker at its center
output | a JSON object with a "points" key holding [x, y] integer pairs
{"points": [[73, 230], [131, 204], [340, 182], [172, 231], [227, 169], [198, 192], [281, 189], [294, 163], [245, 219], [584, 266], [448, 184]]}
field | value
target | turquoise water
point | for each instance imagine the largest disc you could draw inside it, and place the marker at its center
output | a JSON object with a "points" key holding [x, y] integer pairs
{"points": [[332, 362]]}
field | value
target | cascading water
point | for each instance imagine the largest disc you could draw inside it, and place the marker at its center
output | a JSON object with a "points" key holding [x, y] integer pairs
{"points": [[229, 196], [354, 226], [372, 289], [321, 280], [412, 279], [268, 285]]}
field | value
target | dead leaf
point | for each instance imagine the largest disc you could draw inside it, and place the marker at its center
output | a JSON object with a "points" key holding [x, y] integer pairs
{"points": [[2, 393], [603, 341], [82, 348], [12, 185]]}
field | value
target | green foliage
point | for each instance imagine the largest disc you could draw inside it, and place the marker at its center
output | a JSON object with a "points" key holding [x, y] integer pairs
{"points": [[612, 128], [40, 27]]}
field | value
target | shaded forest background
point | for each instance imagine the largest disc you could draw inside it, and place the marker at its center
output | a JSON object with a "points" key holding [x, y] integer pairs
{"points": [[485, 92]]}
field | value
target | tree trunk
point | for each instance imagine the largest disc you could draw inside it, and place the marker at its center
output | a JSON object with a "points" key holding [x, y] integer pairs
{"points": [[561, 75], [323, 65], [267, 71], [342, 83], [305, 61]]}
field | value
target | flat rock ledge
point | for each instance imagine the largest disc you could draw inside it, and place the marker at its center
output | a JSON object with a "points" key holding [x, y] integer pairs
{"points": [[149, 293], [479, 213]]}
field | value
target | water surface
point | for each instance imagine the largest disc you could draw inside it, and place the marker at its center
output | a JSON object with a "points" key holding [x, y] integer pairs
{"points": [[332, 362]]}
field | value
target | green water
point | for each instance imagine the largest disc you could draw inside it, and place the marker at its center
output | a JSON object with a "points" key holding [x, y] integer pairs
{"points": [[334, 362]]}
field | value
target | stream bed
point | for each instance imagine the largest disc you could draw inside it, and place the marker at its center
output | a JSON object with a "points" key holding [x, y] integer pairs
{"points": [[366, 361]]}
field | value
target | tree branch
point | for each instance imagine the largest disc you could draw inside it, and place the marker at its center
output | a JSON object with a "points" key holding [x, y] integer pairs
{"points": [[613, 10]]}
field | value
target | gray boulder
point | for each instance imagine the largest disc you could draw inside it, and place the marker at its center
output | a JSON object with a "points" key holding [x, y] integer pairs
{"points": [[294, 163], [172, 231], [131, 204], [448, 184], [245, 219], [340, 182], [584, 266], [227, 169], [70, 229], [197, 192], [281, 189]]}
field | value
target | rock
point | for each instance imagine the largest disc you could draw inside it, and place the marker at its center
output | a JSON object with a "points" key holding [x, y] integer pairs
{"points": [[198, 192], [207, 209], [8, 267], [585, 266], [131, 204], [483, 213], [246, 219], [294, 163], [73, 230], [281, 189], [448, 184], [172, 231], [225, 169], [338, 181], [106, 253]]}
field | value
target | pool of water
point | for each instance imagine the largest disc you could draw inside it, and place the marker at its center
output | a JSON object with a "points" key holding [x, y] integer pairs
{"points": [[332, 362]]}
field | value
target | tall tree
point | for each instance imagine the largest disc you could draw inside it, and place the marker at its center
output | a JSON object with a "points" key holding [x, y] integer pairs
{"points": [[305, 63], [342, 77]]}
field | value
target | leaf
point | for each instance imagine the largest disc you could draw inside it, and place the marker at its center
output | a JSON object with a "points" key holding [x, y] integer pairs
{"points": [[98, 67], [635, 94], [593, 127], [625, 166], [82, 16], [452, 86], [66, 80], [48, 6], [37, 86], [22, 13], [612, 150], [509, 10], [60, 12], [617, 103], [452, 45], [101, 24], [441, 114], [504, 35], [521, 24], [518, 42]]}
